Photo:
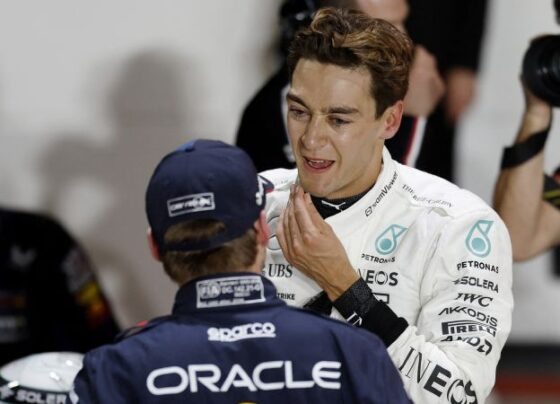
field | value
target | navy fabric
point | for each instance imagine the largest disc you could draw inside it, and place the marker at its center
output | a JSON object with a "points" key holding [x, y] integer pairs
{"points": [[231, 340], [204, 179]]}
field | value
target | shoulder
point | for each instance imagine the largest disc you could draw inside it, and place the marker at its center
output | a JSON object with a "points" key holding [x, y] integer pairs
{"points": [[142, 327], [280, 178], [278, 182], [425, 190], [133, 341]]}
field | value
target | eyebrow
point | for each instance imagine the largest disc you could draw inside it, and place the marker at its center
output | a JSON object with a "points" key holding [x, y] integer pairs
{"points": [[343, 110], [295, 98], [332, 110]]}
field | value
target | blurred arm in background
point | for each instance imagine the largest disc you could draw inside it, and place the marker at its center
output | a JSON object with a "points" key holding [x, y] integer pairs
{"points": [[533, 223]]}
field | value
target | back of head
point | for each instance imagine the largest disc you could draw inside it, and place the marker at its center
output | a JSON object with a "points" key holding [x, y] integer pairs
{"points": [[202, 202], [352, 39], [39, 378]]}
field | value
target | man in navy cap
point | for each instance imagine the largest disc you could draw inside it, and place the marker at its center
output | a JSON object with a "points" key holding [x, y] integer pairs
{"points": [[229, 338]]}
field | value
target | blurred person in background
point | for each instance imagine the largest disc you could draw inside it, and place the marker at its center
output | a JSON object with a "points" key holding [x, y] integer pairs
{"points": [[527, 200], [50, 299], [262, 131], [452, 31]]}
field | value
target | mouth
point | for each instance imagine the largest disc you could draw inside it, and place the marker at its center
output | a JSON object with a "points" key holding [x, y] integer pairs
{"points": [[317, 165]]}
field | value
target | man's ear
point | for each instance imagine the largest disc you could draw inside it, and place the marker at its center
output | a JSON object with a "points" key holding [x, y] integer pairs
{"points": [[391, 120], [262, 229], [154, 250]]}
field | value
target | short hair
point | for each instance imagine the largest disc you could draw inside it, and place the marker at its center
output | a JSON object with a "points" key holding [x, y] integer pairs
{"points": [[234, 256], [352, 39]]}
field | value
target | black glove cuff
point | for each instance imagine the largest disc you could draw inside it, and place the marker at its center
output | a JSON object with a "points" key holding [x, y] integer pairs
{"points": [[359, 307], [355, 302], [551, 192], [521, 152]]}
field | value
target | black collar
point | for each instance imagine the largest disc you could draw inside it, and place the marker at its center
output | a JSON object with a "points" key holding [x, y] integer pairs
{"points": [[330, 207]]}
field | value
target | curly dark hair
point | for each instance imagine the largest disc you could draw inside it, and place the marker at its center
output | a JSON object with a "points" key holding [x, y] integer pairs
{"points": [[352, 39]]}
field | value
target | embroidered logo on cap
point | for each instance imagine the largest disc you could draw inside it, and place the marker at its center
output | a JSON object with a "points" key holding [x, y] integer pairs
{"points": [[190, 203]]}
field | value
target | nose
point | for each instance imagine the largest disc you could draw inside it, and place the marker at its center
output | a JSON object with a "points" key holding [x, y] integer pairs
{"points": [[314, 137]]}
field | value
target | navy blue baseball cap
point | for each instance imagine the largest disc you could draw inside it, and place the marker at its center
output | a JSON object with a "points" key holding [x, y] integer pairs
{"points": [[204, 179]]}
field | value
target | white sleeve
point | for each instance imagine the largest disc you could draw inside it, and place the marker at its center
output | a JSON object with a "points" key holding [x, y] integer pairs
{"points": [[450, 354]]}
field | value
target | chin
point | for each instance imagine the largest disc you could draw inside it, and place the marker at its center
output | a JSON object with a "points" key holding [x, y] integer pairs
{"points": [[314, 189]]}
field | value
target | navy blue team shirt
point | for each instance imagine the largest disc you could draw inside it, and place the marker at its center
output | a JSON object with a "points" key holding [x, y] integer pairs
{"points": [[229, 339]]}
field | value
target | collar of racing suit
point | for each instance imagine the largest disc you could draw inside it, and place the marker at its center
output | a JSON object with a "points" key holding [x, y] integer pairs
{"points": [[328, 207], [224, 292], [365, 204]]}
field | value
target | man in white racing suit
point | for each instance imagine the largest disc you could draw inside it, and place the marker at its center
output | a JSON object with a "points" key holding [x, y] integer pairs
{"points": [[409, 256]]}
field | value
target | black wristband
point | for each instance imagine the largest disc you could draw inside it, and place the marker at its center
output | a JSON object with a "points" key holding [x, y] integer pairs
{"points": [[551, 192], [359, 306], [521, 152]]}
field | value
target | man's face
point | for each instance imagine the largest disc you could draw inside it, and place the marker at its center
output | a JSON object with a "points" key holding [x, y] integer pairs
{"points": [[337, 140]]}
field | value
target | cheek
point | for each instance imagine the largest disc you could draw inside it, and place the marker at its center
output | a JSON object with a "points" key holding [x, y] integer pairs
{"points": [[295, 129], [356, 151]]}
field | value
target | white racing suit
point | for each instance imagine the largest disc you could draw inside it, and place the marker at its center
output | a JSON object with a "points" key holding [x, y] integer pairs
{"points": [[439, 258]]}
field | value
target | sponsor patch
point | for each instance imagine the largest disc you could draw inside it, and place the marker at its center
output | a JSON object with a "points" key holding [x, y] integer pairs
{"points": [[377, 260], [384, 192], [229, 291], [190, 203], [479, 283], [483, 301], [478, 265], [466, 326], [12, 392], [265, 376], [280, 270], [485, 318], [436, 379], [477, 240], [423, 199], [286, 296], [387, 241], [381, 278], [242, 331], [482, 345]]}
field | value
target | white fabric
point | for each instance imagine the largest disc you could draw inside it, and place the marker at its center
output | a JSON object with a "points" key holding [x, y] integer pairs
{"points": [[421, 243]]}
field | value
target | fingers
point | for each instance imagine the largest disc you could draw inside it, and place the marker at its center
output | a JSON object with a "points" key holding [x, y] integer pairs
{"points": [[283, 238], [298, 223], [313, 213], [288, 231], [299, 226], [306, 214], [301, 211]]}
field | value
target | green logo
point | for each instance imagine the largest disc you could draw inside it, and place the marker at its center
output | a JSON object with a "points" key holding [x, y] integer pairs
{"points": [[477, 240], [387, 241]]}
